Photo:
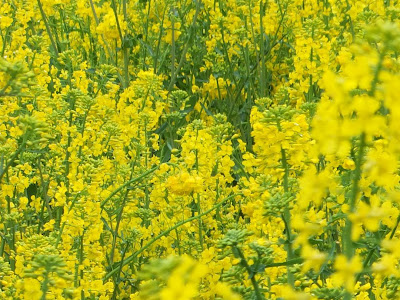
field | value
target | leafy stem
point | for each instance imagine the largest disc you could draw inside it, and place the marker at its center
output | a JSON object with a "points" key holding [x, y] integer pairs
{"points": [[165, 232], [251, 273]]}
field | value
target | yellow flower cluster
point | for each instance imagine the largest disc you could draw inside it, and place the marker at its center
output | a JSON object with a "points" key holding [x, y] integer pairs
{"points": [[242, 149]]}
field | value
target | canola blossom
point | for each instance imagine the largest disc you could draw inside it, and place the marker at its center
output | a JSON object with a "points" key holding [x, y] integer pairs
{"points": [[204, 149]]}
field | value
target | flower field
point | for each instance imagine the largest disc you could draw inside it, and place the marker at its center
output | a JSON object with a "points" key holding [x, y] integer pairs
{"points": [[199, 149]]}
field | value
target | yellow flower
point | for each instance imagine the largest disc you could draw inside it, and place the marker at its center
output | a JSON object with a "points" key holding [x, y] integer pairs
{"points": [[49, 225], [32, 288], [184, 184], [345, 271], [313, 258], [349, 164]]}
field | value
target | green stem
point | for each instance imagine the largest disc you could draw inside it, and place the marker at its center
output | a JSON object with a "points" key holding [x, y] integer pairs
{"points": [[347, 241], [126, 184], [47, 27], [3, 91], [96, 19], [118, 275], [185, 49], [198, 204], [377, 71], [395, 227], [69, 141], [146, 34], [123, 44], [3, 243], [178, 241], [81, 263], [13, 157], [159, 42], [119, 218], [173, 44], [254, 282], [262, 65], [286, 217], [63, 224], [45, 286], [290, 262], [200, 222], [114, 8], [225, 49]]}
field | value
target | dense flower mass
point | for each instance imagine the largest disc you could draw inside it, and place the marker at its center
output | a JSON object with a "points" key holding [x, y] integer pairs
{"points": [[177, 150]]}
